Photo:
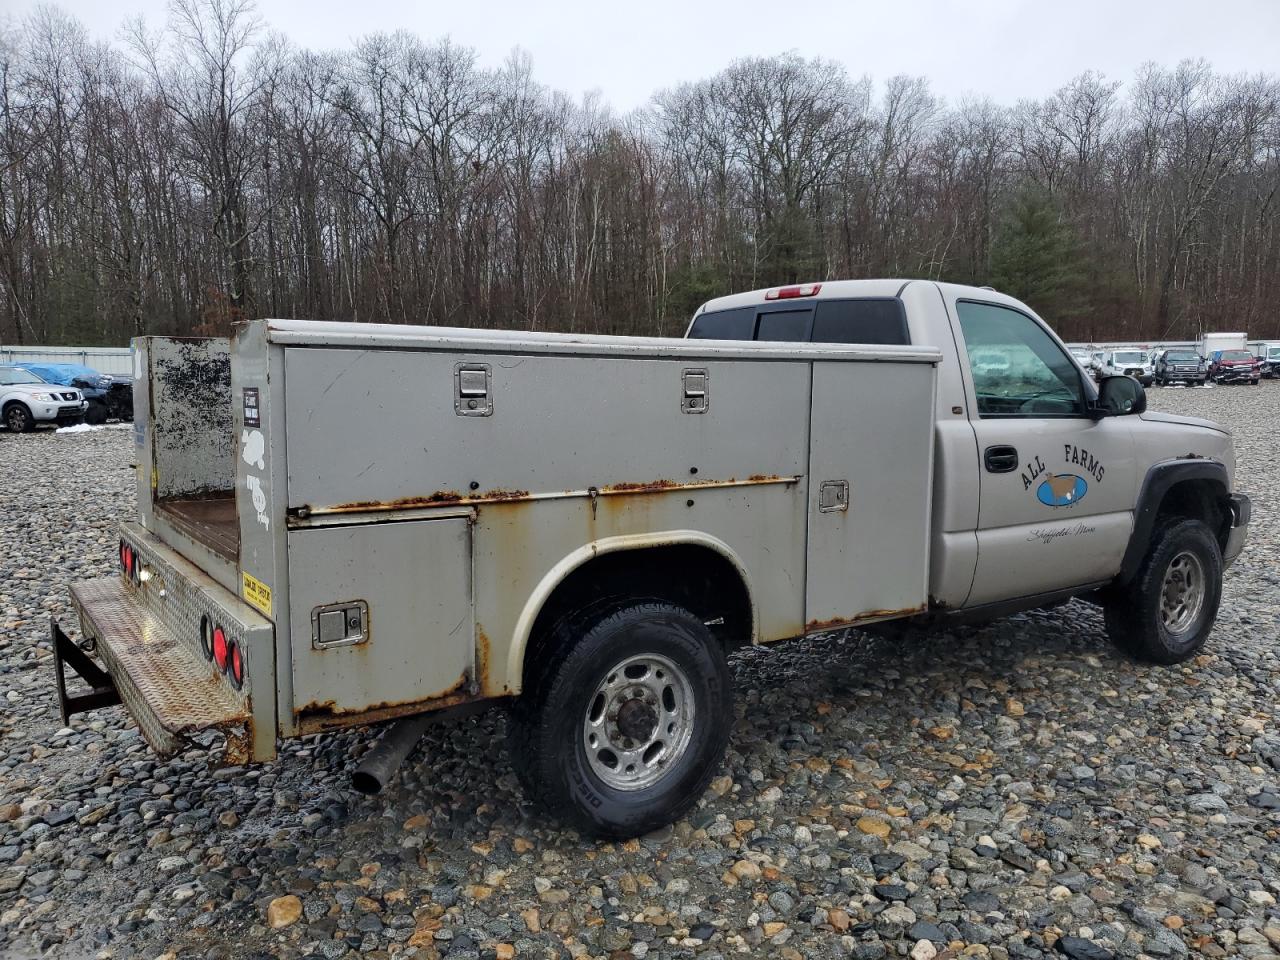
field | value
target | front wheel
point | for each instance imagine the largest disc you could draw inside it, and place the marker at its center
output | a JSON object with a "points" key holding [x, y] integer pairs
{"points": [[624, 720], [18, 418], [1165, 614]]}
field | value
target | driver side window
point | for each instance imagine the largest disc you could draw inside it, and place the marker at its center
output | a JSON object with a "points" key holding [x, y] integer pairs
{"points": [[1018, 369]]}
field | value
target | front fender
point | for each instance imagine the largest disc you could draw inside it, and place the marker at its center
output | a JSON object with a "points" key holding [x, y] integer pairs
{"points": [[1160, 479]]}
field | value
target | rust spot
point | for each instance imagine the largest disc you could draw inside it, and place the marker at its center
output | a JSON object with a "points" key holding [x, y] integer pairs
{"points": [[439, 498], [835, 623], [652, 486], [482, 659], [838, 623], [321, 715], [764, 477]]}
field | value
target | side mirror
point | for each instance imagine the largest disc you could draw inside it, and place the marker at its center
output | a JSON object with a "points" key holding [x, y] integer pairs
{"points": [[1120, 396]]}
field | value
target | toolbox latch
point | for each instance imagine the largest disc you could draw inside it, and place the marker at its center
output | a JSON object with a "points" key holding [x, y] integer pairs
{"points": [[339, 624], [472, 395], [833, 496], [697, 391]]}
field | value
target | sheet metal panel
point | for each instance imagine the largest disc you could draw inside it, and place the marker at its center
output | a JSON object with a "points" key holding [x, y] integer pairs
{"points": [[872, 428], [376, 427], [415, 579], [190, 415]]}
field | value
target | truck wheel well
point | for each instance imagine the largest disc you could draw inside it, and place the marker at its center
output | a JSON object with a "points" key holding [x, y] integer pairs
{"points": [[697, 578], [1196, 500]]}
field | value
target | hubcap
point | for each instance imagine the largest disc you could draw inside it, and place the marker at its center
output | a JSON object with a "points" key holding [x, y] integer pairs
{"points": [[638, 722], [1182, 594]]}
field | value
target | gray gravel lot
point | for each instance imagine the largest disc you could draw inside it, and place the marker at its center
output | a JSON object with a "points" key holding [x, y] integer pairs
{"points": [[1010, 791]]}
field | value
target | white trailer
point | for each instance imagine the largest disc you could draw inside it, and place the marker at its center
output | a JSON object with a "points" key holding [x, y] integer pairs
{"points": [[1209, 342]]}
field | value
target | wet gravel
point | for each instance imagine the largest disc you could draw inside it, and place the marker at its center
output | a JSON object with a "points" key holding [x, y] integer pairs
{"points": [[1016, 790]]}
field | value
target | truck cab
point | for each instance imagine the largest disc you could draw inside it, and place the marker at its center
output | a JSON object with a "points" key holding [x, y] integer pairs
{"points": [[582, 527]]}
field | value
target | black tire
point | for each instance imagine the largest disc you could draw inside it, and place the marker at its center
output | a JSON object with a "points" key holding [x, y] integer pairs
{"points": [[1134, 614], [96, 413], [548, 732], [18, 419]]}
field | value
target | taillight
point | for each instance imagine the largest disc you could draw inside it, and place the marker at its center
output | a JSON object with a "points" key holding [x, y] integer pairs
{"points": [[220, 648], [790, 293], [235, 666]]}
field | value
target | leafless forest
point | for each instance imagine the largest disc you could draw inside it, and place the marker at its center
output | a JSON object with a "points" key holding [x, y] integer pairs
{"points": [[178, 179]]}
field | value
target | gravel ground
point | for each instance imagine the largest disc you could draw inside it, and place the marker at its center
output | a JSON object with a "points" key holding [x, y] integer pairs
{"points": [[1010, 791]]}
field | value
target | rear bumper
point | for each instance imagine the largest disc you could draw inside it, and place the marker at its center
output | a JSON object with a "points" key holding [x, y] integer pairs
{"points": [[1241, 510], [146, 627], [170, 692]]}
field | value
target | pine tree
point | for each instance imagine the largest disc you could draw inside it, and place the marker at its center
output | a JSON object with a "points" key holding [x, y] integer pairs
{"points": [[1036, 257]]}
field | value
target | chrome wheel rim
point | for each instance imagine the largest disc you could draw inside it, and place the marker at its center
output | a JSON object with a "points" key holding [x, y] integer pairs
{"points": [[1182, 593], [639, 722]]}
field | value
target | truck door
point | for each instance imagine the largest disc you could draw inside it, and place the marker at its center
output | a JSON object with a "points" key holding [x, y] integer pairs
{"points": [[1056, 487]]}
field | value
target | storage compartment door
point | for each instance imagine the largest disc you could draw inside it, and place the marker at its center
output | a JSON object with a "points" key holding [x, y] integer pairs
{"points": [[870, 474], [380, 616]]}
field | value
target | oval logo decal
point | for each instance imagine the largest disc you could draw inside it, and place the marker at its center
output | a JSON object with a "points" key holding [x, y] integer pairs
{"points": [[1062, 490]]}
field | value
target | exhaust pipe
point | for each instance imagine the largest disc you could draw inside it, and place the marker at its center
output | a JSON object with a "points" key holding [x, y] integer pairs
{"points": [[383, 760]]}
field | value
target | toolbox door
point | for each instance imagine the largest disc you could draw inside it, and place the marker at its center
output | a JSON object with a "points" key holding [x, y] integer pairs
{"points": [[380, 617], [870, 475]]}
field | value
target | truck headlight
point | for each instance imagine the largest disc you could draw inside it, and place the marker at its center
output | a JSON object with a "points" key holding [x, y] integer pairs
{"points": [[44, 397]]}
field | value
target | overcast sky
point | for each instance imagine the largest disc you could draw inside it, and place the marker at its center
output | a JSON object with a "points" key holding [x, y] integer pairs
{"points": [[1005, 49]]}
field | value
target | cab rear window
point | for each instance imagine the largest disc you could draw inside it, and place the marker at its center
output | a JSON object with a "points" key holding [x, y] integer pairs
{"points": [[880, 320]]}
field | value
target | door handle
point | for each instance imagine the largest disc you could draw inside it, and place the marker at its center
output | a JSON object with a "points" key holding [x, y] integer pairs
{"points": [[1000, 459]]}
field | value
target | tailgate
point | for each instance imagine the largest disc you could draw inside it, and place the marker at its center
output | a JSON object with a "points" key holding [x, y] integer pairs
{"points": [[188, 658]]}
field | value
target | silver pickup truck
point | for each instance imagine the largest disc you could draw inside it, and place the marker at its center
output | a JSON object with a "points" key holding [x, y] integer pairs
{"points": [[341, 524]]}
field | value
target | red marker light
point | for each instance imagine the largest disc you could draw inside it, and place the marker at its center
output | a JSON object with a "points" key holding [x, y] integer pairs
{"points": [[790, 293], [237, 666], [220, 648]]}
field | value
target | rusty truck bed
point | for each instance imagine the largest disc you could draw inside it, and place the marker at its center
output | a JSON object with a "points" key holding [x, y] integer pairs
{"points": [[210, 519]]}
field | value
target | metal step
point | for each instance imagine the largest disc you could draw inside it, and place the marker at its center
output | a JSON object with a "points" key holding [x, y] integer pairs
{"points": [[171, 692]]}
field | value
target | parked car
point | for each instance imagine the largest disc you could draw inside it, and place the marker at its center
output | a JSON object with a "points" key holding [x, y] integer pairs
{"points": [[1081, 356], [1234, 366], [1268, 355], [1097, 360], [590, 565], [1177, 365], [109, 397], [27, 400], [1130, 363]]}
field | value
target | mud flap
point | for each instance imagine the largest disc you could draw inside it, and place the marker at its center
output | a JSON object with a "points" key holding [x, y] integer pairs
{"points": [[103, 692]]}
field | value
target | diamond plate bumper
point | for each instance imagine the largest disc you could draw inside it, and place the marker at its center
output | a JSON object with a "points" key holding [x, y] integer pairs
{"points": [[171, 692]]}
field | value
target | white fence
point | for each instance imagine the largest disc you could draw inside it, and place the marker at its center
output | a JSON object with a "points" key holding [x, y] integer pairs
{"points": [[103, 359]]}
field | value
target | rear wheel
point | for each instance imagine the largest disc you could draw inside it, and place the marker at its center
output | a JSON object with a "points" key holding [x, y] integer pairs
{"points": [[624, 719], [1165, 614], [18, 418]]}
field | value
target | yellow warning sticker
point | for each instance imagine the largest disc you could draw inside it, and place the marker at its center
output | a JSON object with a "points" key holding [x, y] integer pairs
{"points": [[257, 593]]}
